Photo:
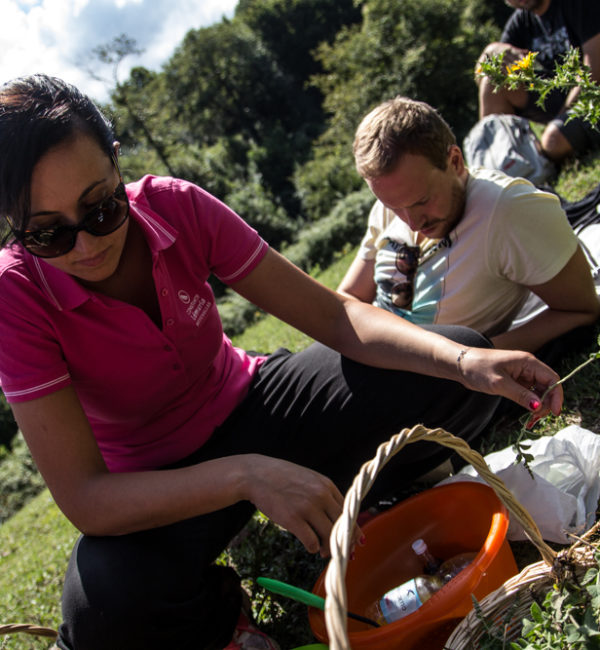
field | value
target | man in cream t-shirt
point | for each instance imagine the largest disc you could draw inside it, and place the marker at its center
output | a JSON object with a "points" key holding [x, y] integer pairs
{"points": [[446, 245]]}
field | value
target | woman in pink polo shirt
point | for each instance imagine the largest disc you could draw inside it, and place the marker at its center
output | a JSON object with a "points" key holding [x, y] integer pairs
{"points": [[157, 438]]}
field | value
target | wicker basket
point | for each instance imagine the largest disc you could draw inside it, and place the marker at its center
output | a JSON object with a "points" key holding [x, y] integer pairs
{"points": [[514, 598], [541, 575]]}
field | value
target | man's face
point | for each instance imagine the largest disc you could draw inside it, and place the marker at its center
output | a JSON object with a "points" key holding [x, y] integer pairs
{"points": [[529, 5], [429, 200]]}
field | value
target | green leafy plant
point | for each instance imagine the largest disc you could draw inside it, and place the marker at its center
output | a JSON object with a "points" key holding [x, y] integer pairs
{"points": [[568, 617], [569, 73]]}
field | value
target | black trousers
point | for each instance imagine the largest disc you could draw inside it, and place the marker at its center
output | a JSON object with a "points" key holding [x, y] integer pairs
{"points": [[160, 589]]}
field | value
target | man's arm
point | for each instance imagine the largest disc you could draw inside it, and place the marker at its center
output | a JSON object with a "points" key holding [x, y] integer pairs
{"points": [[358, 282], [572, 302]]}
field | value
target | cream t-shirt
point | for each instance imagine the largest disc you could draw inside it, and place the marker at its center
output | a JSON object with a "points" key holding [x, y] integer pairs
{"points": [[511, 236]]}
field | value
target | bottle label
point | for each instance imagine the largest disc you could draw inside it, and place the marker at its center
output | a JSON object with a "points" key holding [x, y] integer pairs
{"points": [[400, 602]]}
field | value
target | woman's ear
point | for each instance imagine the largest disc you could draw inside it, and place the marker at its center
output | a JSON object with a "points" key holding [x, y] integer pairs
{"points": [[116, 148]]}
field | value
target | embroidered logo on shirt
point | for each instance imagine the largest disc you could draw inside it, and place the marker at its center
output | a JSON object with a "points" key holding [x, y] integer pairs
{"points": [[184, 296], [197, 309]]}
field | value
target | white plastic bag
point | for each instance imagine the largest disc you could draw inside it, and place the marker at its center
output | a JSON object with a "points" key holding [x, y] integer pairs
{"points": [[563, 495]]}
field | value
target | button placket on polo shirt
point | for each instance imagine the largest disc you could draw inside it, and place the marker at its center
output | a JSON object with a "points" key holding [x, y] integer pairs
{"points": [[167, 309]]}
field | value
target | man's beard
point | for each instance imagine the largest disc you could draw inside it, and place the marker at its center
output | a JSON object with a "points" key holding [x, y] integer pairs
{"points": [[457, 205]]}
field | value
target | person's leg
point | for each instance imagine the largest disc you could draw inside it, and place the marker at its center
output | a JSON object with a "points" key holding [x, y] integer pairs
{"points": [[554, 144], [564, 137], [155, 589], [319, 409], [499, 100], [518, 102], [559, 139]]}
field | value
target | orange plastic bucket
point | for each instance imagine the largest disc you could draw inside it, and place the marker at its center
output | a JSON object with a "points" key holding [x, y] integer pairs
{"points": [[452, 519]]}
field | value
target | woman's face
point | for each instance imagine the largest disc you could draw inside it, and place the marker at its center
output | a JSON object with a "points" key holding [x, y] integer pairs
{"points": [[67, 182]]}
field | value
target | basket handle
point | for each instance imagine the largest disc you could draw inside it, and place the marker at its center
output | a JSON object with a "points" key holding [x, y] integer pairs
{"points": [[28, 628], [341, 535]]}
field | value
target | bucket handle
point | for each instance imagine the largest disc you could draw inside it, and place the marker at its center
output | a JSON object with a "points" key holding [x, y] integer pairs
{"points": [[341, 536]]}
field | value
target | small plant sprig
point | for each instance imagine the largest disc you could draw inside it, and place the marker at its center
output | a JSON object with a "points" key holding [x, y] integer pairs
{"points": [[569, 73], [520, 448]]}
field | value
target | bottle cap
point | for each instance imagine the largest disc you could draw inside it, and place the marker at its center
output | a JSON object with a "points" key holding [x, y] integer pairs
{"points": [[419, 546]]}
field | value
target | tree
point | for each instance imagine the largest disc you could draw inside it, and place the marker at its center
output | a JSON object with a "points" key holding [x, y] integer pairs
{"points": [[124, 94], [293, 29], [425, 49]]}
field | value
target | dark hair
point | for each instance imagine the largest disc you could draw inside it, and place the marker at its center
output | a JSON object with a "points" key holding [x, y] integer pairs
{"points": [[397, 127], [37, 113]]}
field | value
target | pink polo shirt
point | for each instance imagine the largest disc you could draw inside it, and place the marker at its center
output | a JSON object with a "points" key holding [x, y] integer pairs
{"points": [[152, 396]]}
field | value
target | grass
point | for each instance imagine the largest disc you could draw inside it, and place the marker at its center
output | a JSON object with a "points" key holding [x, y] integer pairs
{"points": [[269, 333], [35, 543]]}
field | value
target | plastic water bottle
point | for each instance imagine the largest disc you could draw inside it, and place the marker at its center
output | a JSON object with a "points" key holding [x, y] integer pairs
{"points": [[431, 564], [404, 599], [410, 595], [455, 565]]}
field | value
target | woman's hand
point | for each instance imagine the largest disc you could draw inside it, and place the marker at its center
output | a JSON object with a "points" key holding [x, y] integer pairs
{"points": [[514, 374], [299, 499]]}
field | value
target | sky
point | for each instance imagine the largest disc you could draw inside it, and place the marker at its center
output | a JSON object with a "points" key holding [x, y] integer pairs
{"points": [[57, 37]]}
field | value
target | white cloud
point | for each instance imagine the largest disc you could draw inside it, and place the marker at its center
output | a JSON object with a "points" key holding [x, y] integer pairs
{"points": [[57, 36]]}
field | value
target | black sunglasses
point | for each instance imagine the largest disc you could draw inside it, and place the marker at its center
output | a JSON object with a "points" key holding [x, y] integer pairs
{"points": [[109, 215]]}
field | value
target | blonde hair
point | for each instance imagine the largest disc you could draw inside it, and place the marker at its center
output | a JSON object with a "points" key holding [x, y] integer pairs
{"points": [[397, 127]]}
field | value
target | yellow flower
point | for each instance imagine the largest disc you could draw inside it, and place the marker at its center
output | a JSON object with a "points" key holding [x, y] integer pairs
{"points": [[523, 64]]}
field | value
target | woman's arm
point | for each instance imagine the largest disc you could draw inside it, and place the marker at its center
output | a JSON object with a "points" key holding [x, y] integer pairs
{"points": [[572, 302], [100, 503], [379, 338]]}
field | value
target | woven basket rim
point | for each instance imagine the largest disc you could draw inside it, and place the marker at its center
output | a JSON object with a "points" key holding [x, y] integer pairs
{"points": [[518, 593]]}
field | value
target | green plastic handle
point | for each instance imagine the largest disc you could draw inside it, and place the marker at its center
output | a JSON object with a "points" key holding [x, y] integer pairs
{"points": [[301, 595]]}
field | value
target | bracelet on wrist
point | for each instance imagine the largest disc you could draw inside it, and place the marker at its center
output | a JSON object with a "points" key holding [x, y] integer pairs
{"points": [[459, 358]]}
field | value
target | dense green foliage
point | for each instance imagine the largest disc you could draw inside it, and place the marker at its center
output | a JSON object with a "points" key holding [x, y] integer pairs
{"points": [[424, 49], [569, 617], [261, 109]]}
